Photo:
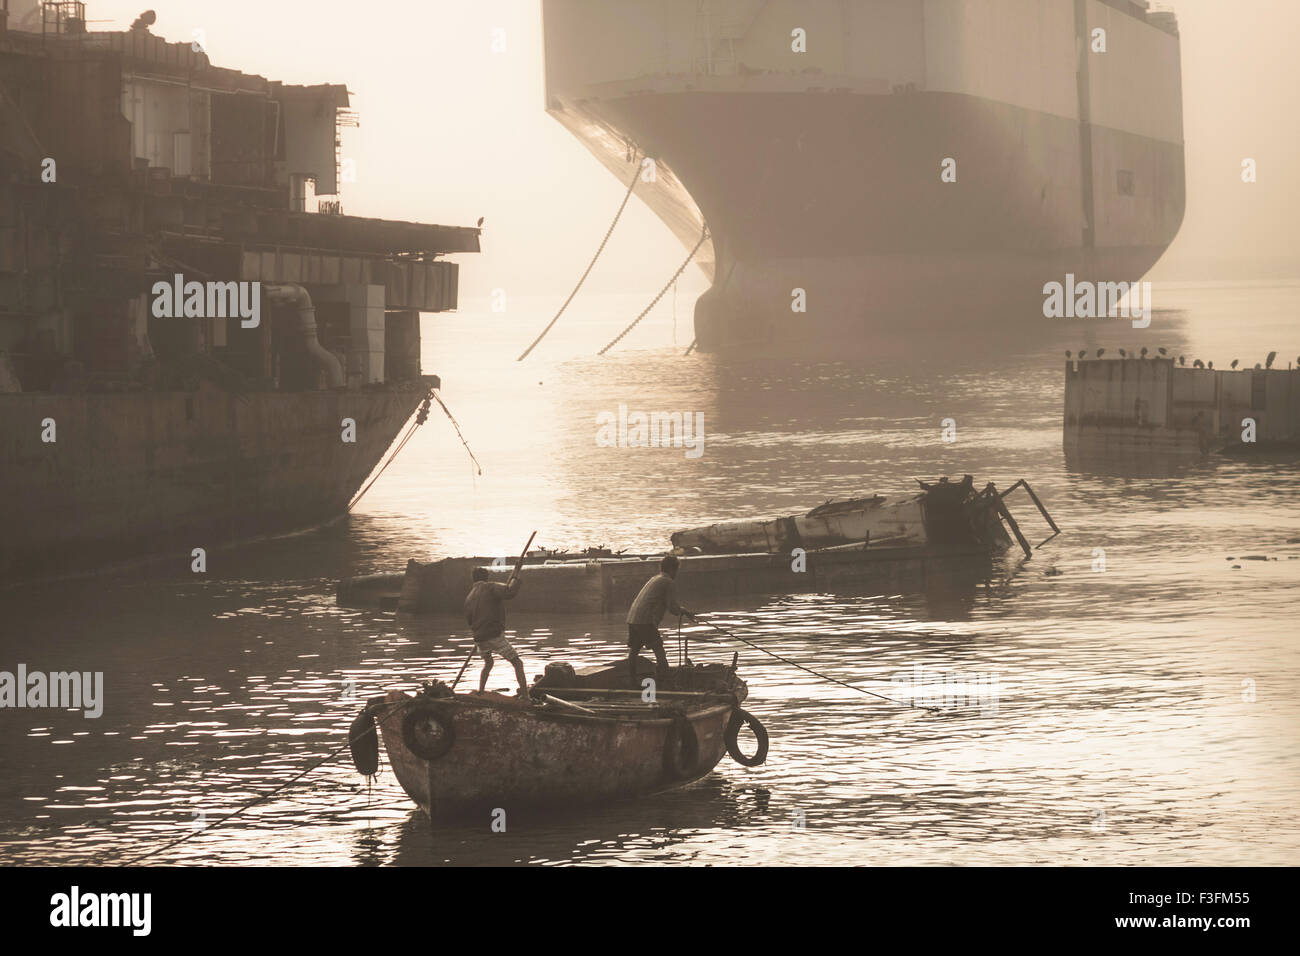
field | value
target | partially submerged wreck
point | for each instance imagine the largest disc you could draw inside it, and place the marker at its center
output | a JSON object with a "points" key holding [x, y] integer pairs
{"points": [[946, 534], [944, 512]]}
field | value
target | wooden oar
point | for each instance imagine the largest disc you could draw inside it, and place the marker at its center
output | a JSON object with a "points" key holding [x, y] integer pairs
{"points": [[518, 565]]}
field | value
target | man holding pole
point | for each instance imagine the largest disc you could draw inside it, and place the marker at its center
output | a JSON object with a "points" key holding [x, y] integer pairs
{"points": [[657, 596], [485, 611]]}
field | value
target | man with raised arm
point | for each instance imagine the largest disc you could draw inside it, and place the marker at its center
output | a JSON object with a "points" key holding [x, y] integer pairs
{"points": [[485, 610]]}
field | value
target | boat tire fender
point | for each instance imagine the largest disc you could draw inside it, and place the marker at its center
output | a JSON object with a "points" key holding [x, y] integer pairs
{"points": [[418, 743], [364, 743], [739, 717], [681, 748]]}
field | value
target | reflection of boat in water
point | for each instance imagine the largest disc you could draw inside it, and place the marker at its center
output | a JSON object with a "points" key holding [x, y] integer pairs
{"points": [[588, 834], [459, 755]]}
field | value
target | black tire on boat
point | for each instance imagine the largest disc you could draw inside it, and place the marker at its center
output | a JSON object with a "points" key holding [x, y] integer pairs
{"points": [[364, 743], [681, 748], [739, 717], [417, 740]]}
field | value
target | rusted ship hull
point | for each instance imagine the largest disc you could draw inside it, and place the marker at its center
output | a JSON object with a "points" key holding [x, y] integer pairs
{"points": [[510, 757], [133, 475], [136, 420]]}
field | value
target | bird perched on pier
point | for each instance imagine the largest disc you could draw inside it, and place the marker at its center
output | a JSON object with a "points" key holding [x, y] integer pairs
{"points": [[1182, 360], [1100, 352], [1162, 351], [1144, 352], [1211, 365], [1268, 362], [1256, 366], [1069, 354], [1123, 354], [1083, 353], [480, 222], [1234, 363], [1198, 364]]}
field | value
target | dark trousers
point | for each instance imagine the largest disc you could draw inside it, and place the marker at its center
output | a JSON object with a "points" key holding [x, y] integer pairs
{"points": [[637, 638]]}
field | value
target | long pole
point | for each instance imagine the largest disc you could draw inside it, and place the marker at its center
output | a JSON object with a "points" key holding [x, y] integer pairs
{"points": [[519, 563]]}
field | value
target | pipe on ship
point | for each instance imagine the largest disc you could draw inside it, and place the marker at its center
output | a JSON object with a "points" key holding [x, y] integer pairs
{"points": [[295, 296]]}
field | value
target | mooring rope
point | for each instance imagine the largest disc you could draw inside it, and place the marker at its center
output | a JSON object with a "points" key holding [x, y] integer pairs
{"points": [[419, 420], [347, 743], [704, 234], [456, 425], [410, 430], [601, 248], [825, 677]]}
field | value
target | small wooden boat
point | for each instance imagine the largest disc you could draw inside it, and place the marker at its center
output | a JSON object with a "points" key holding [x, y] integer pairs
{"points": [[466, 755]]}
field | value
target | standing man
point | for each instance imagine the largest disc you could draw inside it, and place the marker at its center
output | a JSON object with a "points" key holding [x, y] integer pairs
{"points": [[485, 610], [657, 596]]}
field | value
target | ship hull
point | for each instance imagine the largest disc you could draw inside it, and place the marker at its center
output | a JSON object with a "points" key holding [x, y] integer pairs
{"points": [[151, 474], [913, 163], [840, 195]]}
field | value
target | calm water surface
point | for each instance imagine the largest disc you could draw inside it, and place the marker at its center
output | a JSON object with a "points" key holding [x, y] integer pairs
{"points": [[1148, 713]]}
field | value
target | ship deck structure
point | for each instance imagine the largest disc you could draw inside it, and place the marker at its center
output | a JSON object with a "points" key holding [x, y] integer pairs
{"points": [[128, 164]]}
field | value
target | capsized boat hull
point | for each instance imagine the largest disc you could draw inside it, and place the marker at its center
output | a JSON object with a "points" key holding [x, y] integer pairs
{"points": [[945, 512], [855, 521], [516, 758]]}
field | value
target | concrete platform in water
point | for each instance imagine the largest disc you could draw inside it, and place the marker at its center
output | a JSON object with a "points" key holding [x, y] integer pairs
{"points": [[608, 586], [1138, 407], [951, 547]]}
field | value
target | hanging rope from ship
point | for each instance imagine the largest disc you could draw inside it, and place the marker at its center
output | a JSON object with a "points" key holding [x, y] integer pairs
{"points": [[420, 419], [704, 234], [633, 156]]}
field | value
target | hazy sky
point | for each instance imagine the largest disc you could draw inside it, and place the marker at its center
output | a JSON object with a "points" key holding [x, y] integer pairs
{"points": [[451, 131]]}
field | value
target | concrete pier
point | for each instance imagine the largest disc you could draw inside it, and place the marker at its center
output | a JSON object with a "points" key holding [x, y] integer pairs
{"points": [[1153, 405]]}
